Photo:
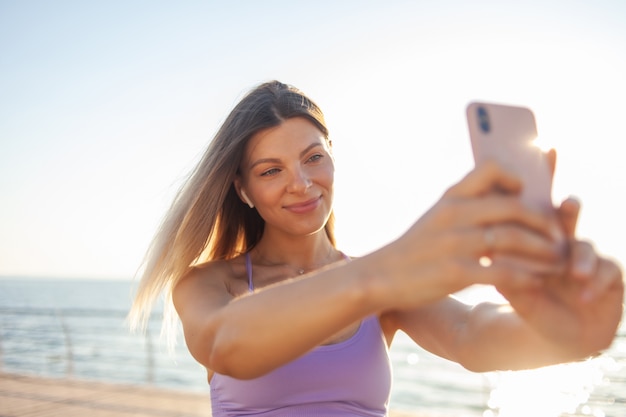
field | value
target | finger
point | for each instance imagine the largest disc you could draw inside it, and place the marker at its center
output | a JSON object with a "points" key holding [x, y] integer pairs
{"points": [[608, 276], [510, 239], [505, 246], [534, 266], [501, 276], [496, 209], [583, 261], [484, 179], [568, 214]]}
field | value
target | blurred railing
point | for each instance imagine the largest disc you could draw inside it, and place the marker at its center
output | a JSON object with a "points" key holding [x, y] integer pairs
{"points": [[94, 344]]}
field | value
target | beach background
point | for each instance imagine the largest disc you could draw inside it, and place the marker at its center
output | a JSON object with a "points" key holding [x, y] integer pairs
{"points": [[106, 106], [76, 328]]}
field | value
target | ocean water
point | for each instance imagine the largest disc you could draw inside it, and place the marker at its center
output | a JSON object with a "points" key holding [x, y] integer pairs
{"points": [[56, 327]]}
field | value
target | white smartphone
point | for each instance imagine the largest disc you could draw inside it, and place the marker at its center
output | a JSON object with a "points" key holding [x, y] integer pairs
{"points": [[506, 134]]}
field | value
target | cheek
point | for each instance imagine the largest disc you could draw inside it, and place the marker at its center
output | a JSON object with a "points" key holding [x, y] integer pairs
{"points": [[269, 195], [328, 177]]}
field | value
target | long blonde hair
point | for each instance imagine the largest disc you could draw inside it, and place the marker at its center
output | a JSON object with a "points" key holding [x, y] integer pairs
{"points": [[207, 220]]}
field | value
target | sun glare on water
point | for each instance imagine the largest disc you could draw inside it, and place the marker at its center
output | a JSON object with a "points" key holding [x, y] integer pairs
{"points": [[553, 391], [549, 391]]}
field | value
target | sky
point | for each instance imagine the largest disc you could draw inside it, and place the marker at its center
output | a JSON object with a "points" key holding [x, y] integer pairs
{"points": [[106, 106]]}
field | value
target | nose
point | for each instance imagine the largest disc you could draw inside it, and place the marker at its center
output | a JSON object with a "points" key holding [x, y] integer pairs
{"points": [[299, 181]]}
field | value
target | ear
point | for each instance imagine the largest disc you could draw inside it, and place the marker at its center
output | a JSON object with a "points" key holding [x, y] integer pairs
{"points": [[241, 193]]}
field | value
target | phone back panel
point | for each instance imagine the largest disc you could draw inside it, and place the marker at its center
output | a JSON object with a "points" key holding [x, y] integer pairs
{"points": [[506, 134]]}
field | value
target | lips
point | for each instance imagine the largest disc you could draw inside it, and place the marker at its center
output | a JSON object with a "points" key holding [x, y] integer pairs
{"points": [[304, 206]]}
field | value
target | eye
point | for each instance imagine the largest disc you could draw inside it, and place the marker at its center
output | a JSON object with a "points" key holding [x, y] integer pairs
{"points": [[269, 172], [315, 158]]}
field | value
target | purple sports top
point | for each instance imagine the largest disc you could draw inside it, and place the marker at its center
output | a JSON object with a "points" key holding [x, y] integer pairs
{"points": [[349, 378]]}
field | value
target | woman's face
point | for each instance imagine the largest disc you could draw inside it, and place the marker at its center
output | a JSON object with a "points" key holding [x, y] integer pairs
{"points": [[287, 173]]}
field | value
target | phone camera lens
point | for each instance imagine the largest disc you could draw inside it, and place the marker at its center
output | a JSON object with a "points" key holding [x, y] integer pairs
{"points": [[483, 119]]}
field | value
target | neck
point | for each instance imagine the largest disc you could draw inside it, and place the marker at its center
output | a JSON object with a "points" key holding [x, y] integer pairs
{"points": [[302, 253]]}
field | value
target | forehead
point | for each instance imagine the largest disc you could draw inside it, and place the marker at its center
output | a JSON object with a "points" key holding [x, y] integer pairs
{"points": [[290, 137]]}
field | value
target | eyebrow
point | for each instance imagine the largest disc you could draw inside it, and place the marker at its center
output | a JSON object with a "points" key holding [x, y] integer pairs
{"points": [[276, 160]]}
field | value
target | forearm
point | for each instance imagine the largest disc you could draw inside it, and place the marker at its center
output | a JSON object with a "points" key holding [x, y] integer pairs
{"points": [[256, 333], [494, 337]]}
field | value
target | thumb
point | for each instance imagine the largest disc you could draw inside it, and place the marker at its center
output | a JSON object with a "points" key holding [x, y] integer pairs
{"points": [[568, 214]]}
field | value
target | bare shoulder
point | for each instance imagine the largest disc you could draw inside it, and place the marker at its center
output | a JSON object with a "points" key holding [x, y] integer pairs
{"points": [[212, 283]]}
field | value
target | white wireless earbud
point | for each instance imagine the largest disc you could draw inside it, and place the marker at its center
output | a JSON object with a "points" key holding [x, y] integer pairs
{"points": [[246, 199]]}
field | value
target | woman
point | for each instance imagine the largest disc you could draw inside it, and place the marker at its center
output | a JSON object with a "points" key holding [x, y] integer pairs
{"points": [[286, 324]]}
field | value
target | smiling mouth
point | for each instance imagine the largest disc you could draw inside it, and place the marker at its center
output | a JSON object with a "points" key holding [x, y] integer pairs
{"points": [[304, 206]]}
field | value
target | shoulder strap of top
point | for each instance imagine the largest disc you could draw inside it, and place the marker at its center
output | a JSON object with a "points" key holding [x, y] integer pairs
{"points": [[249, 271]]}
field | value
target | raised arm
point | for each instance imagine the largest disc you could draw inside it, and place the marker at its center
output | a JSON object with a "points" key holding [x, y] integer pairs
{"points": [[569, 317], [482, 337], [250, 335]]}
